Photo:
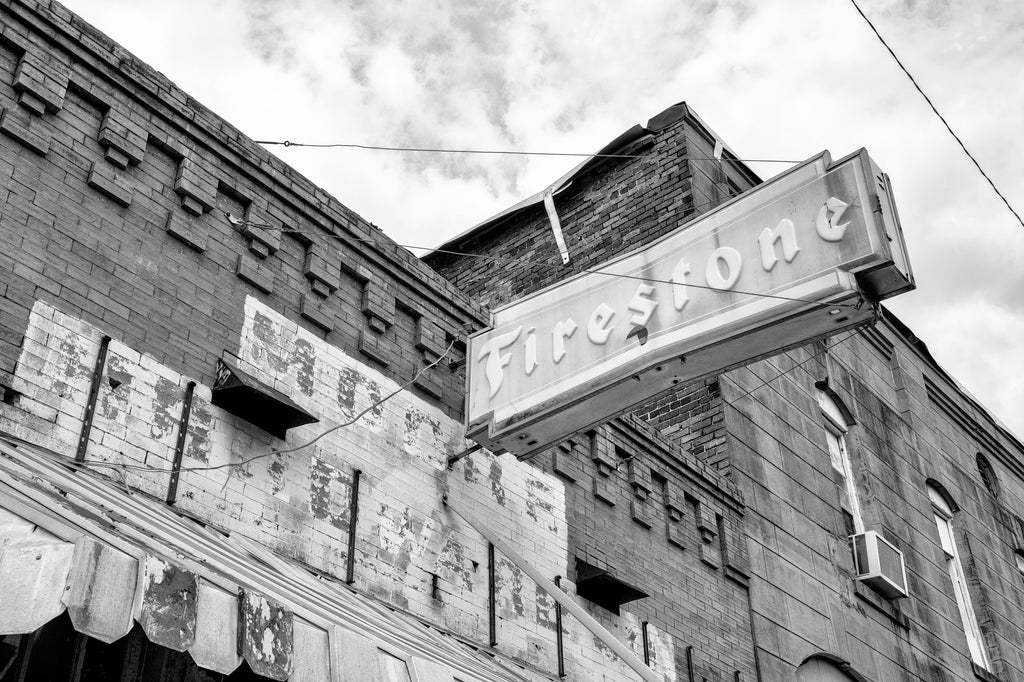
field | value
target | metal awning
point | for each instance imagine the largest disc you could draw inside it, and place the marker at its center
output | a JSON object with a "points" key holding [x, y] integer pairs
{"points": [[73, 540]]}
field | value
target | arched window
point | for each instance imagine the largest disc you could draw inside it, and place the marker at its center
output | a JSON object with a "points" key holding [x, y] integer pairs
{"points": [[988, 475], [837, 423], [821, 669], [943, 509]]}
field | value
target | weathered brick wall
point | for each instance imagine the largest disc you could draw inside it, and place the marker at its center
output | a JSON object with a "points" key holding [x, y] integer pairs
{"points": [[113, 222], [648, 496], [804, 597], [668, 524], [117, 185]]}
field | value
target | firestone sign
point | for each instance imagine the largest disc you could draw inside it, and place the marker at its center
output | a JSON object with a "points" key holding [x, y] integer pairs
{"points": [[801, 256]]}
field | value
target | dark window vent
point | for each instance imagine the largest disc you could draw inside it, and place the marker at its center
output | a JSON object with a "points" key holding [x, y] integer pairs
{"points": [[603, 588], [249, 398]]}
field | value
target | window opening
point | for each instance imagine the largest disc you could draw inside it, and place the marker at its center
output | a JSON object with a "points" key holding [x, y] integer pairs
{"points": [[988, 475], [836, 428], [944, 521]]}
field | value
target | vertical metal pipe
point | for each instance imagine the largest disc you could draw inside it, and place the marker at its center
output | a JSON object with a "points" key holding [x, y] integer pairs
{"points": [[560, 648], [647, 645], [179, 447], [90, 405], [492, 622], [689, 664], [353, 519]]}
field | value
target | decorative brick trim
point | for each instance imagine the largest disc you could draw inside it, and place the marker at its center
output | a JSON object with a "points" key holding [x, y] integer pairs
{"points": [[429, 338], [604, 490], [28, 130], [123, 139], [186, 228], [639, 511], [564, 463], [430, 382], [323, 277], [255, 272], [376, 347], [675, 533], [196, 186], [111, 183], [316, 312], [41, 84]]}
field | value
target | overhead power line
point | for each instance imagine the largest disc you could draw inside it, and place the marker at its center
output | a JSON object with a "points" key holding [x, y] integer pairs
{"points": [[507, 152], [523, 261], [941, 117]]}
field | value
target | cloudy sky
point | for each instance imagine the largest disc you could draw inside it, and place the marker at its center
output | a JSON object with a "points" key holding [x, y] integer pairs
{"points": [[775, 78]]}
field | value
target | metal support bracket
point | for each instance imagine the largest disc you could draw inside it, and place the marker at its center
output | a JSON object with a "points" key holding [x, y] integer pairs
{"points": [[90, 405], [560, 597], [556, 226]]}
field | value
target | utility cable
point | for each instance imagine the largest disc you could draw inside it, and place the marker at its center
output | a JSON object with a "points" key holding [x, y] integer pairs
{"points": [[941, 117], [237, 222], [507, 152], [765, 382]]}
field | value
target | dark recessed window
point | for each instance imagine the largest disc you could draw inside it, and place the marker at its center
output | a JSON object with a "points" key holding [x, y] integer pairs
{"points": [[988, 475]]}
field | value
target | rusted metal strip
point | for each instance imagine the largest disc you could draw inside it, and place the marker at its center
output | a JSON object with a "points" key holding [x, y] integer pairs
{"points": [[353, 519], [90, 405], [559, 645], [492, 623], [179, 447], [577, 611]]}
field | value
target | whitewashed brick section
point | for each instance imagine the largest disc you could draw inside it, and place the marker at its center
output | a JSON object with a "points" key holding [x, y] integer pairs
{"points": [[298, 502]]}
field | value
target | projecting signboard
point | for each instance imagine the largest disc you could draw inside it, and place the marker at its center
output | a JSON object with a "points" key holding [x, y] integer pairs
{"points": [[801, 256]]}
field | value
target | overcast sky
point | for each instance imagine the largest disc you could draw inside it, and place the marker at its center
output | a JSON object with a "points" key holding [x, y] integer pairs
{"points": [[775, 78]]}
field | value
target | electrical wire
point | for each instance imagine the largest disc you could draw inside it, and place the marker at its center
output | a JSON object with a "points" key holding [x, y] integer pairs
{"points": [[936, 111], [522, 261], [507, 152], [120, 467], [765, 382]]}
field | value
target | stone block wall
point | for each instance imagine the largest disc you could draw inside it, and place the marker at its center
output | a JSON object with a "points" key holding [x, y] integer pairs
{"points": [[912, 426]]}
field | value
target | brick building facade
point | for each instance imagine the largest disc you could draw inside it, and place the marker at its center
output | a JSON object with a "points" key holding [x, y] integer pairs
{"points": [[153, 527]]}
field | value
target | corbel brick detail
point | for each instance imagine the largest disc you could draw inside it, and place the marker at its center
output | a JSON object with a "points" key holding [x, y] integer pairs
{"points": [[639, 477], [41, 84], [675, 503], [430, 382], [376, 347], [639, 511], [378, 303], [602, 452], [112, 183], [30, 131], [429, 338], [604, 489], [324, 278], [316, 311], [123, 139], [263, 241], [186, 228], [196, 186], [707, 523], [255, 272], [564, 461], [735, 554]]}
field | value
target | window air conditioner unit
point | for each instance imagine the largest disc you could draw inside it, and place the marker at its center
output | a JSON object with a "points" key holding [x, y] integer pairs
{"points": [[879, 564]]}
